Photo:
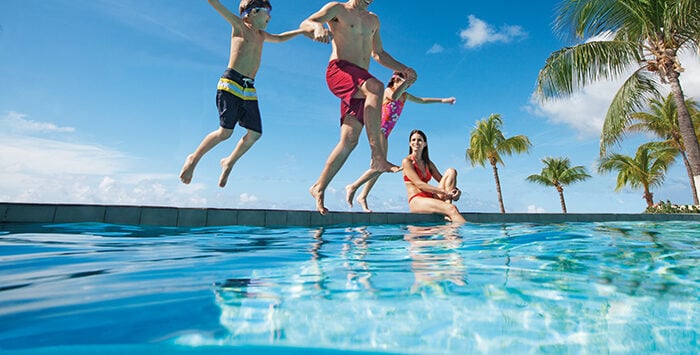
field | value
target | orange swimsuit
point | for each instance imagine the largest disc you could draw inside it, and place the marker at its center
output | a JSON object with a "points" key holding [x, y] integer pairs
{"points": [[425, 178]]}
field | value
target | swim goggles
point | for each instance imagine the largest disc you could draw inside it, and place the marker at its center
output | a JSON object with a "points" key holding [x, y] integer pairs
{"points": [[255, 9]]}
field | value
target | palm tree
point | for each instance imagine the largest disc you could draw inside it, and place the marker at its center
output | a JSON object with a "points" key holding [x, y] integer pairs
{"points": [[487, 143], [662, 120], [645, 170], [558, 172], [645, 35]]}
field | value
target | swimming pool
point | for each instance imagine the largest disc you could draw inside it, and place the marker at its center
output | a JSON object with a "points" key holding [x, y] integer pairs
{"points": [[629, 287]]}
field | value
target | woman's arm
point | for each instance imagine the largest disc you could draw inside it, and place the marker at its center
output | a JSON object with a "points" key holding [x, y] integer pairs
{"points": [[410, 172]]}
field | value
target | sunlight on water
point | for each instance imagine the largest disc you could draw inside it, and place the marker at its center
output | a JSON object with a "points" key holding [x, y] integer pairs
{"points": [[479, 288]]}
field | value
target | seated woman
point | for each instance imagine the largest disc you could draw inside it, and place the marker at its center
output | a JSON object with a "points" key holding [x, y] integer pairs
{"points": [[417, 172]]}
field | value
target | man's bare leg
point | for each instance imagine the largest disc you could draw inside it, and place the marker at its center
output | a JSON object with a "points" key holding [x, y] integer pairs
{"points": [[373, 91], [209, 142], [242, 147], [349, 134]]}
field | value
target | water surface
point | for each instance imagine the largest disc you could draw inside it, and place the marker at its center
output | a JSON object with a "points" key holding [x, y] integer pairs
{"points": [[626, 287]]}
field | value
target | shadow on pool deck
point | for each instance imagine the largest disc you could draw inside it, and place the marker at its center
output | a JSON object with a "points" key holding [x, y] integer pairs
{"points": [[199, 217]]}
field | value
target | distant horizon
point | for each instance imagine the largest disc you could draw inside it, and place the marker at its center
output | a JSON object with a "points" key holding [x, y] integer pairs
{"points": [[104, 99]]}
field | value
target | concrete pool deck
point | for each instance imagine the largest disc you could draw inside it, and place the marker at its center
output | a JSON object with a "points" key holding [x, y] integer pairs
{"points": [[202, 217]]}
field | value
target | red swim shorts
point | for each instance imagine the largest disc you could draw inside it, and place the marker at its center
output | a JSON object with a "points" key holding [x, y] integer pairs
{"points": [[343, 78]]}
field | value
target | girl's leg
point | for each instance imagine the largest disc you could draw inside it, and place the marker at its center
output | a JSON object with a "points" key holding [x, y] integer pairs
{"points": [[370, 176], [362, 199], [352, 188]]}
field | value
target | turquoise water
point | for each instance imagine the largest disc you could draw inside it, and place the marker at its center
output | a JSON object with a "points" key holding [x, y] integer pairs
{"points": [[480, 288]]}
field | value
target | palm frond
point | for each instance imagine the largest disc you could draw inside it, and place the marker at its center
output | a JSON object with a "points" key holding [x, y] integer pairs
{"points": [[539, 179], [571, 68], [630, 98], [581, 19]]}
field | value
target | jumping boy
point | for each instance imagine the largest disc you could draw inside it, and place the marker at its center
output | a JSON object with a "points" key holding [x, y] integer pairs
{"points": [[354, 34], [236, 98]]}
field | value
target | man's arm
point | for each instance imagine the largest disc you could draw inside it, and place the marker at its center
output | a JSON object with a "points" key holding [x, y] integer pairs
{"points": [[234, 20], [282, 37], [385, 59], [313, 26], [395, 94]]}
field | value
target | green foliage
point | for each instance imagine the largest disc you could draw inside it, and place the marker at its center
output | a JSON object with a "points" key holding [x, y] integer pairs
{"points": [[558, 172], [487, 142], [646, 169], [613, 37], [668, 207]]}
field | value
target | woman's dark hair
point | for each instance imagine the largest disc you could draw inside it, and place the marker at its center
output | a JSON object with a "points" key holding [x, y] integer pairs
{"points": [[425, 156]]}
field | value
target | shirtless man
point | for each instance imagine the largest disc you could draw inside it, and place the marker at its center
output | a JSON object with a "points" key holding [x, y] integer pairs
{"points": [[354, 34], [236, 98]]}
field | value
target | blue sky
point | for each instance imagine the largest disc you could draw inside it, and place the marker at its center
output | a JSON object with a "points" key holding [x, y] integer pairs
{"points": [[102, 100]]}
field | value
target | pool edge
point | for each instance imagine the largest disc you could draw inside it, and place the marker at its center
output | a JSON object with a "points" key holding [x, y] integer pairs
{"points": [[11, 212]]}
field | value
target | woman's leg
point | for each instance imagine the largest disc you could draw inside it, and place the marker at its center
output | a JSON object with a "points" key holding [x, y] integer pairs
{"points": [[433, 205], [449, 182]]}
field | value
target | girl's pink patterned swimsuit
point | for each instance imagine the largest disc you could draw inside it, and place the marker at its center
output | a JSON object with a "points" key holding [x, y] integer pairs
{"points": [[391, 110]]}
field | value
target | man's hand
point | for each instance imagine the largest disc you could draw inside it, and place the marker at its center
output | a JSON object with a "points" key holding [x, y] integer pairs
{"points": [[322, 34], [410, 75]]}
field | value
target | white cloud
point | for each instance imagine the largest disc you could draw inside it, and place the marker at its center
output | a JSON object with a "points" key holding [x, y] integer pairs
{"points": [[40, 169], [585, 110], [535, 209], [246, 198], [436, 48], [479, 33], [17, 122], [46, 157]]}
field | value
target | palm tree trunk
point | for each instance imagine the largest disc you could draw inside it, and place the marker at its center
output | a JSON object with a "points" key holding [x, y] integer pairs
{"points": [[498, 187], [648, 196], [561, 198], [690, 177], [690, 140]]}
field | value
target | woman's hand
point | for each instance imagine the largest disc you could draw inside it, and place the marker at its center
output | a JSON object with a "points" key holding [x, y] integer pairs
{"points": [[454, 194]]}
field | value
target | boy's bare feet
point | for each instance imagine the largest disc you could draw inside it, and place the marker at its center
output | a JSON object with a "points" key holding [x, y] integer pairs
{"points": [[349, 194], [318, 195], [188, 169], [225, 171], [363, 202]]}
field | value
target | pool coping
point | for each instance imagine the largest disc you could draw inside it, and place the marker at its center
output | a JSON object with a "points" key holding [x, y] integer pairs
{"points": [[11, 212]]}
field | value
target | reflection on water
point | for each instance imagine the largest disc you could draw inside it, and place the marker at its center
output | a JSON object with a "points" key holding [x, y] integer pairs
{"points": [[481, 288], [436, 261]]}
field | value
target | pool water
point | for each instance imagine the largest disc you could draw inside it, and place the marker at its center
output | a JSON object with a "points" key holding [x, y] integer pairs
{"points": [[622, 287]]}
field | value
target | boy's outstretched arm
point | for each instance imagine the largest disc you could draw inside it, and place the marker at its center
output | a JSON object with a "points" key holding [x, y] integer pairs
{"points": [[234, 20], [282, 37]]}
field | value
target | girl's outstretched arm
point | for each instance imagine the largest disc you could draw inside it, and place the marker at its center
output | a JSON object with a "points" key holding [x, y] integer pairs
{"points": [[430, 100]]}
